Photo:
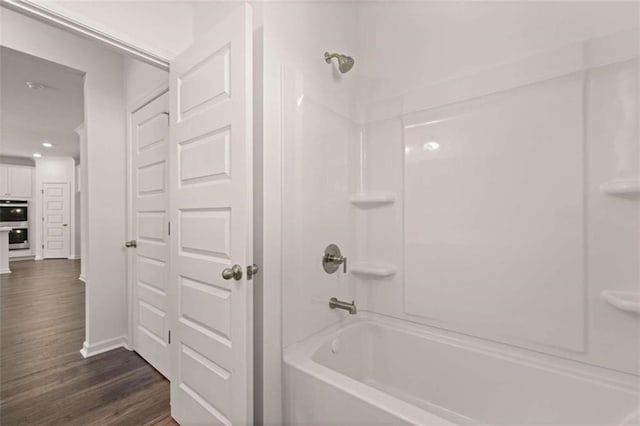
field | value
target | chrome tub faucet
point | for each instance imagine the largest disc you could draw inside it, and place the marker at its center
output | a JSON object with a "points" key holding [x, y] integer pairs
{"points": [[338, 304]]}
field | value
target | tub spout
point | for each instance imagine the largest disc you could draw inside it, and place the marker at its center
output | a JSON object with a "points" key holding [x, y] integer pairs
{"points": [[338, 304]]}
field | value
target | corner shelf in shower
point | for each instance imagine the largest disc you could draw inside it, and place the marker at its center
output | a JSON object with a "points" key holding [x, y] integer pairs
{"points": [[370, 199], [624, 300], [630, 186], [372, 269]]}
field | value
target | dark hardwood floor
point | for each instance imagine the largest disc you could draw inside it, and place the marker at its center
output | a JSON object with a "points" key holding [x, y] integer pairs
{"points": [[43, 377]]}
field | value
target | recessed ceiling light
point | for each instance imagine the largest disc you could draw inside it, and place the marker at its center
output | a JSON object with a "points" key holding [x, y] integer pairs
{"points": [[47, 144], [34, 85], [37, 155]]}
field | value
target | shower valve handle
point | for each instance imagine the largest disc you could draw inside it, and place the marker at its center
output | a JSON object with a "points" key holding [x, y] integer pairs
{"points": [[338, 260], [332, 259]]}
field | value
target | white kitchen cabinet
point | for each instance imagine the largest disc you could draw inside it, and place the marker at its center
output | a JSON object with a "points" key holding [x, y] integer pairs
{"points": [[15, 181], [3, 180]]}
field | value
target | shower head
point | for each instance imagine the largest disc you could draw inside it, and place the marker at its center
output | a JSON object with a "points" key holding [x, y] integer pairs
{"points": [[345, 63]]}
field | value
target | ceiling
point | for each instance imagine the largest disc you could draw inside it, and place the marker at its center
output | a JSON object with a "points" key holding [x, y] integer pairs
{"points": [[30, 117]]}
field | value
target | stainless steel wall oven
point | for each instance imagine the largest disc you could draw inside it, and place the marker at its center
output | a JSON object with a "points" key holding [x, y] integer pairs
{"points": [[15, 214]]}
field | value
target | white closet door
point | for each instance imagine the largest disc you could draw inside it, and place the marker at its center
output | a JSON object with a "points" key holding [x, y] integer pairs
{"points": [[211, 217], [150, 204], [55, 209]]}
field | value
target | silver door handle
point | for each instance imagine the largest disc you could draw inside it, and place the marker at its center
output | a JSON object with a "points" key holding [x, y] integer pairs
{"points": [[234, 272], [132, 243], [252, 270]]}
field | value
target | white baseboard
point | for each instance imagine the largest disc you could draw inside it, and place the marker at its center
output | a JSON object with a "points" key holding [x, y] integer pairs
{"points": [[5, 271], [74, 257], [39, 258], [89, 350], [21, 258], [83, 278]]}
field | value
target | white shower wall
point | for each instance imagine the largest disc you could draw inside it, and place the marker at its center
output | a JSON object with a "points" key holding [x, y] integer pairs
{"points": [[317, 164], [308, 128], [501, 231]]}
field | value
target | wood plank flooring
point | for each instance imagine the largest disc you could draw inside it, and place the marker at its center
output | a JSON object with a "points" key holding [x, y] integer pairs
{"points": [[43, 377]]}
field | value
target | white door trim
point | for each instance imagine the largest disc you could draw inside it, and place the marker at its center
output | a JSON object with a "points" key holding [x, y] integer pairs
{"points": [[73, 185], [131, 109], [44, 13]]}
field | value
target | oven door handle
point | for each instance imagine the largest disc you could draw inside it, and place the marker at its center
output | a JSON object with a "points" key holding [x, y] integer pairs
{"points": [[14, 205]]}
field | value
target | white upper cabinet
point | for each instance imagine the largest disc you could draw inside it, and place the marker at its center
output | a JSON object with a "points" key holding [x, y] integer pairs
{"points": [[3, 180], [15, 181]]}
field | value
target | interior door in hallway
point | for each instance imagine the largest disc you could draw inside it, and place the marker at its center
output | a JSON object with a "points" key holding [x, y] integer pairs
{"points": [[55, 209], [149, 259], [211, 216]]}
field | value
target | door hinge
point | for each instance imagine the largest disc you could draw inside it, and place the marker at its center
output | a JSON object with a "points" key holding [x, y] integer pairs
{"points": [[43, 246], [169, 336], [42, 190], [169, 228]]}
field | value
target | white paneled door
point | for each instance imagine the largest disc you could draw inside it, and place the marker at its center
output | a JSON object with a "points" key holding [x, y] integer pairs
{"points": [[150, 204], [55, 220], [211, 216]]}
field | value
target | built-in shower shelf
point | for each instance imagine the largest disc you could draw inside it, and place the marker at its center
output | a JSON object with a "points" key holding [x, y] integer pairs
{"points": [[624, 300], [369, 199], [629, 186], [372, 269]]}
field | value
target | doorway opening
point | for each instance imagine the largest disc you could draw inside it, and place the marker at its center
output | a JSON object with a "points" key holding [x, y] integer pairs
{"points": [[63, 326], [40, 161]]}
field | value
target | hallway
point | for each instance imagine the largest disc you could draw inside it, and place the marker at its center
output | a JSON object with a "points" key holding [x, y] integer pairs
{"points": [[43, 377]]}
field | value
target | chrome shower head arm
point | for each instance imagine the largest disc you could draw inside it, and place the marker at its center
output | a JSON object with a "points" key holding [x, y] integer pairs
{"points": [[345, 63], [329, 56]]}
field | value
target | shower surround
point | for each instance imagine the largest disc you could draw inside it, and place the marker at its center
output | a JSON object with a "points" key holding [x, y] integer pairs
{"points": [[477, 167]]}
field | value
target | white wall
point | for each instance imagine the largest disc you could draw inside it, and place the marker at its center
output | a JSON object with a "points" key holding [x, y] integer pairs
{"points": [[207, 13], [440, 41], [104, 168], [54, 170], [140, 79]]}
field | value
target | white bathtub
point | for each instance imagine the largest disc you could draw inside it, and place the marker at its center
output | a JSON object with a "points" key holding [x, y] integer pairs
{"points": [[374, 371]]}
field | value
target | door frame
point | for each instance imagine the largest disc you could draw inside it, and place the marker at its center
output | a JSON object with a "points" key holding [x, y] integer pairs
{"points": [[132, 108], [54, 15], [70, 206]]}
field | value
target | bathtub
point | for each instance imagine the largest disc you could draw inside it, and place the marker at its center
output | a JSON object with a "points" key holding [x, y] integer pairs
{"points": [[375, 371]]}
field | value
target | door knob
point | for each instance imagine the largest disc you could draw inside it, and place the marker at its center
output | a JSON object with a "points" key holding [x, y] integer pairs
{"points": [[132, 243], [234, 272]]}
